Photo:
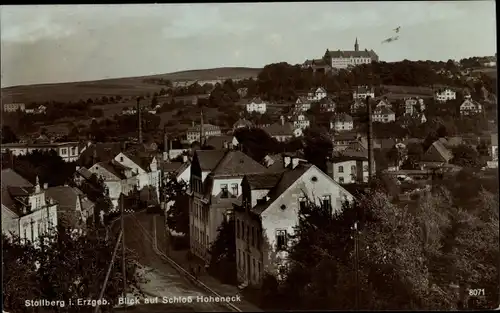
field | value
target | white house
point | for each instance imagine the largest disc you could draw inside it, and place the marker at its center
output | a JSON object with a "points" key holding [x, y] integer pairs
{"points": [[269, 212], [384, 103], [194, 132], [301, 121], [342, 122], [470, 107], [302, 104], [349, 166], [26, 211], [361, 92], [316, 94], [256, 105], [411, 105], [445, 94], [68, 151], [339, 59], [383, 115], [212, 198], [14, 107]]}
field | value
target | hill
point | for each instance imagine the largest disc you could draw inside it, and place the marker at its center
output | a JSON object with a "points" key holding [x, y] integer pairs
{"points": [[125, 87]]}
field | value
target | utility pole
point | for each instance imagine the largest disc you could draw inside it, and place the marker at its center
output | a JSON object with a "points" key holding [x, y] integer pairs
{"points": [[124, 270], [370, 140], [356, 263], [139, 116], [101, 294]]}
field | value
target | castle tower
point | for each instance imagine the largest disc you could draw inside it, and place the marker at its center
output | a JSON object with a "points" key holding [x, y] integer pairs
{"points": [[356, 46]]}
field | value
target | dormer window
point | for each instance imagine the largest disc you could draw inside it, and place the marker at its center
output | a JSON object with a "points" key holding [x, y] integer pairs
{"points": [[224, 191], [121, 159]]}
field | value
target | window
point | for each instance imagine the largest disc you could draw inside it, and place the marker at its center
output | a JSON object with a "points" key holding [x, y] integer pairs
{"points": [[224, 191], [326, 202], [260, 269], [234, 189], [365, 168], [302, 203], [64, 151], [253, 268], [341, 169], [238, 229], [121, 159], [281, 239], [353, 168], [341, 180]]}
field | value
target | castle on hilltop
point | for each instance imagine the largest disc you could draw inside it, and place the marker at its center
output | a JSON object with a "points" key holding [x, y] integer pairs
{"points": [[342, 59]]}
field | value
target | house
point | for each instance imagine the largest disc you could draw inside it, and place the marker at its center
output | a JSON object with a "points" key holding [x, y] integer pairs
{"points": [[361, 92], [282, 131], [383, 103], [14, 107], [194, 132], [242, 92], [414, 106], [91, 153], [349, 166], [327, 104], [302, 104], [176, 168], [437, 153], [345, 59], [242, 123], [317, 65], [269, 212], [68, 151], [383, 115], [222, 142], [316, 94], [212, 198], [470, 107], [256, 105], [342, 122], [344, 140], [301, 121], [445, 94], [358, 106], [73, 206], [26, 211]]}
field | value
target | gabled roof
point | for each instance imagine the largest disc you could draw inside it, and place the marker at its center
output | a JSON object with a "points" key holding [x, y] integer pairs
{"points": [[114, 168], [342, 118], [102, 151], [170, 167], [437, 152], [141, 159], [218, 141], [383, 111], [208, 159], [257, 100], [263, 180], [242, 122], [302, 99], [286, 180], [9, 180], [326, 101], [277, 129], [67, 198], [237, 163], [351, 54]]}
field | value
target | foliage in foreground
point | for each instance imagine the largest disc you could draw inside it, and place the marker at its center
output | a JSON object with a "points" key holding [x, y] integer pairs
{"points": [[223, 254], [65, 266], [409, 257]]}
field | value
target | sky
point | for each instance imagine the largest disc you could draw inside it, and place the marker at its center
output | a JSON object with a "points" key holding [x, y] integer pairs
{"points": [[64, 43]]}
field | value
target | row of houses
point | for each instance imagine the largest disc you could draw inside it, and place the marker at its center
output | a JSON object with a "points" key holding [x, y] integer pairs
{"points": [[30, 210]]}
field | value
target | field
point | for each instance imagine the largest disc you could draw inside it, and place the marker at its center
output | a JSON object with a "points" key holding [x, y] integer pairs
{"points": [[125, 87]]}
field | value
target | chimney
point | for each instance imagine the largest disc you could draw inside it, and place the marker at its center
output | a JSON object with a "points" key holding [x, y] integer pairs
{"points": [[45, 186], [192, 123], [286, 161], [282, 118]]}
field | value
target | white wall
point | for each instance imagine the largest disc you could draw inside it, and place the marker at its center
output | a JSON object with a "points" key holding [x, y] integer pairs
{"points": [[10, 221], [45, 217]]}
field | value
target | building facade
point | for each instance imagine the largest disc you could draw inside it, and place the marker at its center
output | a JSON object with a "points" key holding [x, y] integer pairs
{"points": [[345, 59], [256, 105], [342, 122], [193, 133], [383, 115], [68, 151], [445, 95]]}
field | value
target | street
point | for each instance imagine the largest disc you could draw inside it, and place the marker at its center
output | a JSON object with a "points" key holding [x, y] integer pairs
{"points": [[163, 279]]}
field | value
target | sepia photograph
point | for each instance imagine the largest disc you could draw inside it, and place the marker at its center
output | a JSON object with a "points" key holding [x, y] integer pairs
{"points": [[249, 157]]}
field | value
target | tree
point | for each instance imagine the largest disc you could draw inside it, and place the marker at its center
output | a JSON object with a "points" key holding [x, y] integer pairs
{"points": [[223, 254], [256, 142], [173, 193], [466, 156], [318, 147], [8, 136], [154, 101], [70, 266]]}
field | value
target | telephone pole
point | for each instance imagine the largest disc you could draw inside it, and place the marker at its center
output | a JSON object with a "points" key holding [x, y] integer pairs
{"points": [[356, 264], [370, 139], [124, 270], [139, 116]]}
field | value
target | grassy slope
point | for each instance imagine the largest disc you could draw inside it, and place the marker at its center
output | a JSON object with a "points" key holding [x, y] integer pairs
{"points": [[125, 87]]}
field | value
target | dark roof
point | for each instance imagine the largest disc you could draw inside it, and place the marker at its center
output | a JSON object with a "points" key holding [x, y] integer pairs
{"points": [[383, 110], [384, 143], [278, 129], [84, 172], [208, 159], [276, 163], [342, 118], [263, 180], [286, 180], [114, 168], [237, 163], [318, 62], [9, 180], [257, 100], [140, 158], [352, 54], [363, 89], [66, 198], [102, 151], [171, 167], [242, 122], [437, 152], [350, 153], [218, 141], [345, 136]]}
